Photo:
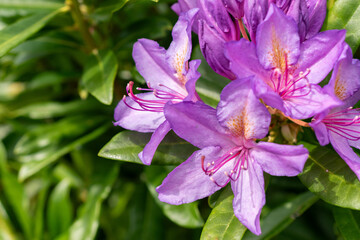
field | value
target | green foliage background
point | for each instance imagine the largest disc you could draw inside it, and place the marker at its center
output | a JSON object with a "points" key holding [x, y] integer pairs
{"points": [[64, 66]]}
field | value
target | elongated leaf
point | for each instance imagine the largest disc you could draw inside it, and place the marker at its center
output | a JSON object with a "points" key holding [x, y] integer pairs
{"points": [[186, 215], [16, 196], [38, 224], [60, 210], [6, 231], [107, 8], [31, 5], [222, 223], [281, 217], [348, 223], [126, 145], [86, 225], [328, 176], [99, 75], [56, 109], [32, 167], [345, 14], [14, 34]]}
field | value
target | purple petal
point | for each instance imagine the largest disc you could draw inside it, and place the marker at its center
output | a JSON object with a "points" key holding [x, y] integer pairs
{"points": [[141, 121], [180, 48], [249, 197], [271, 98], [216, 16], [192, 76], [197, 124], [355, 144], [278, 159], [243, 59], [241, 112], [255, 12], [212, 47], [342, 147], [235, 7], [309, 101], [185, 5], [317, 13], [188, 182], [320, 132], [320, 53], [345, 79], [147, 154], [277, 39], [151, 63]]}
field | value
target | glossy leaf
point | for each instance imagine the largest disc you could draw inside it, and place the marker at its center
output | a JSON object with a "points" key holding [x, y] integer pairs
{"points": [[60, 209], [14, 34], [48, 156], [222, 223], [6, 231], [107, 8], [86, 224], [39, 218], [37, 5], [281, 217], [14, 193], [345, 14], [348, 223], [328, 176], [99, 75], [185, 215], [126, 145], [56, 109]]}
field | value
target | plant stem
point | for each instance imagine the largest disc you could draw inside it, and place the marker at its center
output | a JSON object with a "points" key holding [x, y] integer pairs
{"points": [[80, 22]]}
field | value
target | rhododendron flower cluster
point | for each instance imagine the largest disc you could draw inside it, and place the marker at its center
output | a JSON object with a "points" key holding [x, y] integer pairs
{"points": [[275, 56]]}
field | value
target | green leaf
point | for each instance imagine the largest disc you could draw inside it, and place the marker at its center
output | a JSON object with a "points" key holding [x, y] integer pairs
{"points": [[126, 145], [185, 215], [348, 222], [281, 217], [44, 158], [86, 224], [222, 223], [6, 231], [56, 109], [30, 5], [328, 176], [107, 8], [60, 209], [345, 14], [38, 224], [14, 34], [16, 196], [99, 75]]}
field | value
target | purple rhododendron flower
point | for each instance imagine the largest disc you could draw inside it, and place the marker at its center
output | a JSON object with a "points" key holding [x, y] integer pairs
{"points": [[309, 15], [228, 152], [286, 71], [341, 125], [169, 76], [216, 27]]}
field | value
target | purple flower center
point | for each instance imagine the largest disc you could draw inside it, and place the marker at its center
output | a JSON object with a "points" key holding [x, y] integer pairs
{"points": [[345, 123], [286, 84], [152, 105], [238, 155]]}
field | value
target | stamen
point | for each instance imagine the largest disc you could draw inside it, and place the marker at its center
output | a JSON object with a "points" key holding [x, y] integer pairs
{"points": [[240, 157], [152, 105], [285, 83], [345, 123]]}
